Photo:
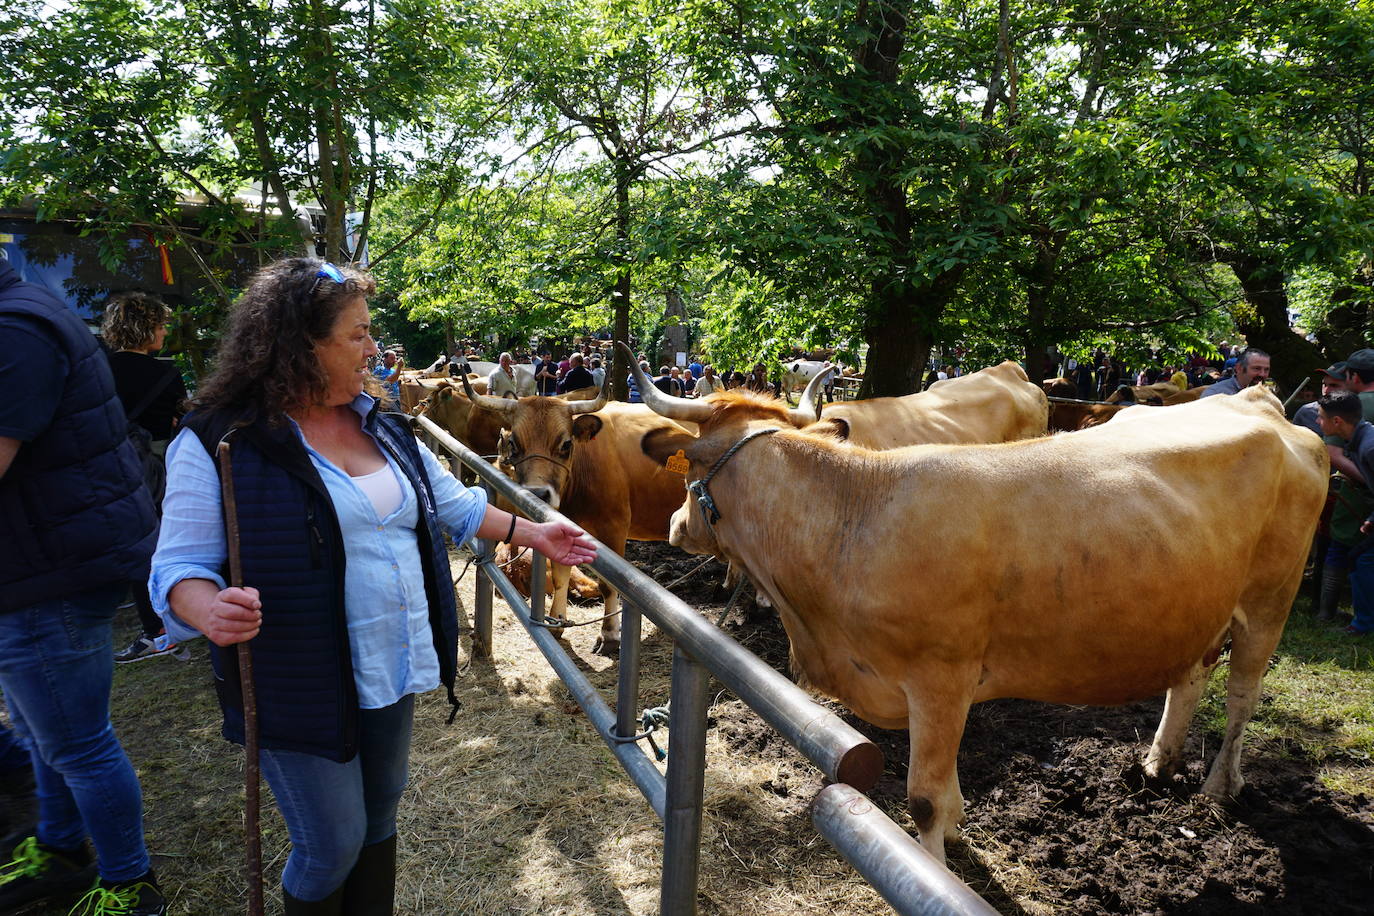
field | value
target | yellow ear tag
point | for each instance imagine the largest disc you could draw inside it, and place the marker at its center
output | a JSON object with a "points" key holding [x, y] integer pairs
{"points": [[678, 464]]}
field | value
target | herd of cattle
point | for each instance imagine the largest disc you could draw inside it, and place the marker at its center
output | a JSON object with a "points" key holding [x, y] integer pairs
{"points": [[902, 541]]}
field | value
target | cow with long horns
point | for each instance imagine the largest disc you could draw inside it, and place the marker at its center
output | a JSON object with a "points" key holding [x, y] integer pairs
{"points": [[584, 459], [908, 629]]}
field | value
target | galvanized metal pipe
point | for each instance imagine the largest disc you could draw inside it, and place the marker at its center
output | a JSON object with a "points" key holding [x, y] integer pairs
{"points": [[538, 571], [627, 687], [840, 752], [631, 756], [686, 784], [889, 858], [482, 591]]}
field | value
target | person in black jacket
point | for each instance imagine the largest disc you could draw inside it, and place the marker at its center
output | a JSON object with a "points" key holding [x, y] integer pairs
{"points": [[577, 377], [76, 524], [347, 596], [134, 328]]}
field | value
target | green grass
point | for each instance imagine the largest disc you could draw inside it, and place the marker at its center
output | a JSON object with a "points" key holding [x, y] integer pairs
{"points": [[1317, 704]]}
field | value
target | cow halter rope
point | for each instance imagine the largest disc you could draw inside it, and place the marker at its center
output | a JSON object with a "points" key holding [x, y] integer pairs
{"points": [[251, 804], [698, 488]]}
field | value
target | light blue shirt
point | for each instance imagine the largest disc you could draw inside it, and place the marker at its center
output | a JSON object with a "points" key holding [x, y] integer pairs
{"points": [[389, 634], [393, 388]]}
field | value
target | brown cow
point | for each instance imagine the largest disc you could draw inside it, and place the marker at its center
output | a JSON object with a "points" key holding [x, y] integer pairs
{"points": [[584, 459], [998, 614], [1156, 394], [1067, 417], [1061, 387], [997, 404], [1184, 397]]}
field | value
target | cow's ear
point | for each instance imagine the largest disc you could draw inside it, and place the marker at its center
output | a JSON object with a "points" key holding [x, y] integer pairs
{"points": [[662, 443], [586, 427]]}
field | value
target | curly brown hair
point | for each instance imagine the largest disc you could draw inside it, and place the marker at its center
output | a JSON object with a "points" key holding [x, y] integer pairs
{"points": [[132, 320], [266, 360]]}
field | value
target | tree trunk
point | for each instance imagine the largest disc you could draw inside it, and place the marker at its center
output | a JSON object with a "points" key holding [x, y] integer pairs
{"points": [[899, 337], [620, 298], [1293, 357]]}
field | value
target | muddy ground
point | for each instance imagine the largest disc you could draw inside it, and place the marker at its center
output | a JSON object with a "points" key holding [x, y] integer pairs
{"points": [[1059, 818]]}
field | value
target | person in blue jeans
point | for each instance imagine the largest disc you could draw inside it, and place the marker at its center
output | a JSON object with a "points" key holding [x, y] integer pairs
{"points": [[76, 524], [1341, 414], [347, 599]]}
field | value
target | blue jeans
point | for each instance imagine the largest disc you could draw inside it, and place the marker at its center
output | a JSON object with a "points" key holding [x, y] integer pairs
{"points": [[332, 810], [56, 668], [1362, 592]]}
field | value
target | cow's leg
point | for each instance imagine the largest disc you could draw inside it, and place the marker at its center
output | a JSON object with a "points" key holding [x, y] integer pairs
{"points": [[1255, 632], [937, 708], [558, 609], [1166, 753], [608, 643]]}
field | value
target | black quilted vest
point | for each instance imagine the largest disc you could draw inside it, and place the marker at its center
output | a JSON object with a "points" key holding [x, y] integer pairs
{"points": [[292, 552], [74, 514]]}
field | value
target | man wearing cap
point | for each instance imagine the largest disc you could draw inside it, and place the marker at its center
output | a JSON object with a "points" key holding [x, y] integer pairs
{"points": [[1353, 501], [1252, 367], [1333, 379]]}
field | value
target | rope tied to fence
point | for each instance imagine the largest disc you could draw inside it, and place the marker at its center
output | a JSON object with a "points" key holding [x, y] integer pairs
{"points": [[650, 721]]}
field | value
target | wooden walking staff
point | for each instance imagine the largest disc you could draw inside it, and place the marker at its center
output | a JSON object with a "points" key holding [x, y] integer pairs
{"points": [[252, 832]]}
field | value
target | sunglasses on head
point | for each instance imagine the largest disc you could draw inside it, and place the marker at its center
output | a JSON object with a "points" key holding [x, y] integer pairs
{"points": [[327, 272]]}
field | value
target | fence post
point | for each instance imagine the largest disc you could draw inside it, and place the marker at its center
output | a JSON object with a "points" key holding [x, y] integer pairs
{"points": [[537, 577], [686, 783], [482, 591], [627, 687]]}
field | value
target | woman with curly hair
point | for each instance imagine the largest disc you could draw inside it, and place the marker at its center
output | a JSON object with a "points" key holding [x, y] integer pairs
{"points": [[134, 327], [348, 598]]}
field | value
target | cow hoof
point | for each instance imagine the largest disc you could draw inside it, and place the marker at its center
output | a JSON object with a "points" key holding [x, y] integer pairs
{"points": [[610, 648]]}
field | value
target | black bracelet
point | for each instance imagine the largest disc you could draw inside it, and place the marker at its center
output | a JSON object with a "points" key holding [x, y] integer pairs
{"points": [[511, 533]]}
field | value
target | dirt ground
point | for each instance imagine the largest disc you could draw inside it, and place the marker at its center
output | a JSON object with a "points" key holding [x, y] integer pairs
{"points": [[1059, 818]]}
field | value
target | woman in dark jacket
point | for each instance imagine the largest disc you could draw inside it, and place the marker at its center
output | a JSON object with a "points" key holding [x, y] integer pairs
{"points": [[134, 328], [348, 597]]}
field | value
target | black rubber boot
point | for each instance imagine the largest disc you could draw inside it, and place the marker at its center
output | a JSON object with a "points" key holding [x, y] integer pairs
{"points": [[371, 886], [1333, 582], [329, 906]]}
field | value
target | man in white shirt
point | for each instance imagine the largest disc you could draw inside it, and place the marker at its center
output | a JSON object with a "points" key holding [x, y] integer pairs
{"points": [[709, 383], [501, 382]]}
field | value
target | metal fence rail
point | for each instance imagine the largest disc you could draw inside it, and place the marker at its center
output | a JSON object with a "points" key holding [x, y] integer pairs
{"points": [[886, 855]]}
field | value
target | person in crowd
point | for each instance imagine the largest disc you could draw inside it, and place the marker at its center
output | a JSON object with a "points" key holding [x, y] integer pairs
{"points": [[1333, 379], [696, 366], [668, 383], [737, 380], [134, 327], [758, 381], [578, 376], [1252, 368], [340, 649], [388, 372], [501, 383], [545, 375], [76, 503], [1341, 415], [689, 382], [709, 383], [634, 395], [598, 372]]}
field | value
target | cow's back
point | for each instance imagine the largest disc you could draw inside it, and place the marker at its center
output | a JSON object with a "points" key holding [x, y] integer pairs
{"points": [[997, 404]]}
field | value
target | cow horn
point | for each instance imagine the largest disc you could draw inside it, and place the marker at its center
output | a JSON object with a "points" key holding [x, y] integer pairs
{"points": [[503, 406], [665, 405], [805, 413], [580, 407]]}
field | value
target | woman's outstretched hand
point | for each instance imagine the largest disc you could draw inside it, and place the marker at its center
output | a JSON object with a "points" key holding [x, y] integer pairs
{"points": [[564, 543]]}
